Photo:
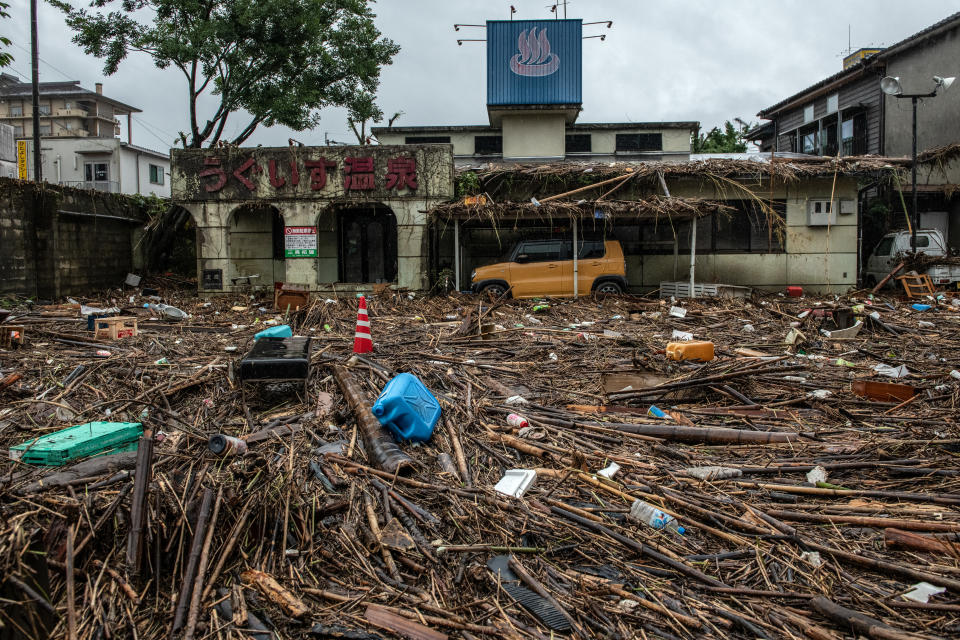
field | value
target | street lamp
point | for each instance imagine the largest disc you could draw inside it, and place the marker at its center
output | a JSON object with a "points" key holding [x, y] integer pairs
{"points": [[891, 86]]}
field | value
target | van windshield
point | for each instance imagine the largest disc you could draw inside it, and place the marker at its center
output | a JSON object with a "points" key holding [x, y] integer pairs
{"points": [[883, 249]]}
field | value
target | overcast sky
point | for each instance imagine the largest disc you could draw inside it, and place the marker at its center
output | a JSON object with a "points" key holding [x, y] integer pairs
{"points": [[705, 60]]}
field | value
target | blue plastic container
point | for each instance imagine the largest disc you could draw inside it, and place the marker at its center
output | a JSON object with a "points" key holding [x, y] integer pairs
{"points": [[279, 331], [920, 307], [407, 408]]}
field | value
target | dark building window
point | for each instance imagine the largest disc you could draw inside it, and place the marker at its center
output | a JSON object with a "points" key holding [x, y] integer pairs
{"points": [[639, 142], [488, 145], [853, 134], [578, 143], [744, 229], [426, 140]]}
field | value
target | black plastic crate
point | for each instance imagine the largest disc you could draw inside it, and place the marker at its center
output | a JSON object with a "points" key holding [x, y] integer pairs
{"points": [[277, 359]]}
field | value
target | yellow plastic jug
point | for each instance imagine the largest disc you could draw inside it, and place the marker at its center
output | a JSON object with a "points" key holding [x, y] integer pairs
{"points": [[690, 350]]}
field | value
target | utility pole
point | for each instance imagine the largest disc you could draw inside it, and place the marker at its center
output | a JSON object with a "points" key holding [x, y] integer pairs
{"points": [[35, 55]]}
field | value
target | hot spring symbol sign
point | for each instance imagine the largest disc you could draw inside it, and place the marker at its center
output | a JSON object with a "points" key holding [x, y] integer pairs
{"points": [[534, 62], [535, 57]]}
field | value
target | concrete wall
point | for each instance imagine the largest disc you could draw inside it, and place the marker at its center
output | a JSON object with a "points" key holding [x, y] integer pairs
{"points": [[301, 205], [59, 241], [534, 136], [819, 258], [462, 141], [529, 137]]}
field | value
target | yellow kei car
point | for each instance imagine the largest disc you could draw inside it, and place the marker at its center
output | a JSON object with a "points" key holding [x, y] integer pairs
{"points": [[545, 268]]}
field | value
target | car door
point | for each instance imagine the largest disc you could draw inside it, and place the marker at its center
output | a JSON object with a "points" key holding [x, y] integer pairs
{"points": [[537, 269], [590, 264], [879, 263]]}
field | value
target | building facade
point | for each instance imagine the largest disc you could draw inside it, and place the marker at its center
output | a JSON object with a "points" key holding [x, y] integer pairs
{"points": [[66, 109], [80, 144], [847, 114], [525, 141], [333, 218]]}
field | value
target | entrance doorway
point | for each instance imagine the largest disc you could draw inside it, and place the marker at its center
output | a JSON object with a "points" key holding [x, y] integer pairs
{"points": [[368, 244], [256, 245]]}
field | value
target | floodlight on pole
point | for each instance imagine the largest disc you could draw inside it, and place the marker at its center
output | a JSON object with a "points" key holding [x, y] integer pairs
{"points": [[891, 86], [943, 83]]}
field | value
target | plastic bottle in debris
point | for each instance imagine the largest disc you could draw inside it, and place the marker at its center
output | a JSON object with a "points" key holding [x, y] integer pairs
{"points": [[649, 515], [515, 420], [166, 311]]}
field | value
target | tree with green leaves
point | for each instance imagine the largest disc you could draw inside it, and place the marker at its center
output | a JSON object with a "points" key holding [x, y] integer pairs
{"points": [[363, 109], [280, 61], [716, 141], [5, 57]]}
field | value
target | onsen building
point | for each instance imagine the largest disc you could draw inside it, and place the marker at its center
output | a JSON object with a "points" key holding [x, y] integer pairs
{"points": [[438, 200]]}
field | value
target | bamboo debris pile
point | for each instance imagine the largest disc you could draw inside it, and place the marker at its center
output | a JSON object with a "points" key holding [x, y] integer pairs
{"points": [[788, 169], [305, 536], [648, 208]]}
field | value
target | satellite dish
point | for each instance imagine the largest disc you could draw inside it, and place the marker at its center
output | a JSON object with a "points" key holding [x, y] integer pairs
{"points": [[891, 86], [943, 83]]}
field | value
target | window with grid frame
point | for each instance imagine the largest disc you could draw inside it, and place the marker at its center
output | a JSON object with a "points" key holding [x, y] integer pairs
{"points": [[488, 145], [636, 142], [578, 143]]}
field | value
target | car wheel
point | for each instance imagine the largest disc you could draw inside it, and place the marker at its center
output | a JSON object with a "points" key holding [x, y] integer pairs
{"points": [[609, 288], [495, 290]]}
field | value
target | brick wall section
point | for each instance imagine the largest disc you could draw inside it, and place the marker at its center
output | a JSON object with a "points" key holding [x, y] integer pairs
{"points": [[50, 245]]}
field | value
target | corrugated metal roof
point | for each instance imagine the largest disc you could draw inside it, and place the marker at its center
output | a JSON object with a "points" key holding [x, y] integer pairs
{"points": [[534, 62]]}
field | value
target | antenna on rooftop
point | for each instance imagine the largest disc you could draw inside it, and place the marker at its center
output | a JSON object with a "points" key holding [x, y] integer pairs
{"points": [[554, 8]]}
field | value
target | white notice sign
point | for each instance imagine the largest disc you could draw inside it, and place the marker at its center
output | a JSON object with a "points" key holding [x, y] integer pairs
{"points": [[300, 242]]}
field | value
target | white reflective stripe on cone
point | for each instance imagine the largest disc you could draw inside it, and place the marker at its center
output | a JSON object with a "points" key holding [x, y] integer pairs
{"points": [[362, 336], [363, 323]]}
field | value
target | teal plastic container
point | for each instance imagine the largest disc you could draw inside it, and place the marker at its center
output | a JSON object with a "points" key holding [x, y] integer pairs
{"points": [[80, 441], [407, 408], [279, 331]]}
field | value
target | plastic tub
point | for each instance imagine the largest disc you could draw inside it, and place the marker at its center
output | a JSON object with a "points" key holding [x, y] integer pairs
{"points": [[407, 408]]}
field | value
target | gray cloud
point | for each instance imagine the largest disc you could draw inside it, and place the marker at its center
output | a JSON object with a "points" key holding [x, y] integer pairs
{"points": [[668, 60]]}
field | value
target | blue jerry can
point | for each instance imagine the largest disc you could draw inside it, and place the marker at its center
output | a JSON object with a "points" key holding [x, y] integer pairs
{"points": [[407, 408]]}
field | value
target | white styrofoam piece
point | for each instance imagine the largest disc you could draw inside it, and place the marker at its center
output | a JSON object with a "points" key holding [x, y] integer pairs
{"points": [[515, 482]]}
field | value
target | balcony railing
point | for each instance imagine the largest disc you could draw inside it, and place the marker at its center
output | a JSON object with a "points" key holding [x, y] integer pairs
{"points": [[110, 186], [856, 146]]}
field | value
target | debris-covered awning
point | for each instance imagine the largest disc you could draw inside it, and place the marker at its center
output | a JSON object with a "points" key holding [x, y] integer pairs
{"points": [[653, 208], [789, 168]]}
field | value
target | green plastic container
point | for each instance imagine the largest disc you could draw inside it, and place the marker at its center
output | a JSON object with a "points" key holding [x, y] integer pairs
{"points": [[80, 441]]}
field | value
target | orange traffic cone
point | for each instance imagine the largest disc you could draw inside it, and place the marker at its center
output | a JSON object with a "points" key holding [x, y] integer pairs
{"points": [[362, 343]]}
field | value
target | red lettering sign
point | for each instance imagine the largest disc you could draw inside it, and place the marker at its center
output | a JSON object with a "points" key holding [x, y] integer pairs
{"points": [[402, 172], [249, 165], [358, 174], [318, 172], [221, 180]]}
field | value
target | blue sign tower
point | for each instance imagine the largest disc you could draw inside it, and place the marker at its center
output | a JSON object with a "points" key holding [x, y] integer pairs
{"points": [[534, 62]]}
